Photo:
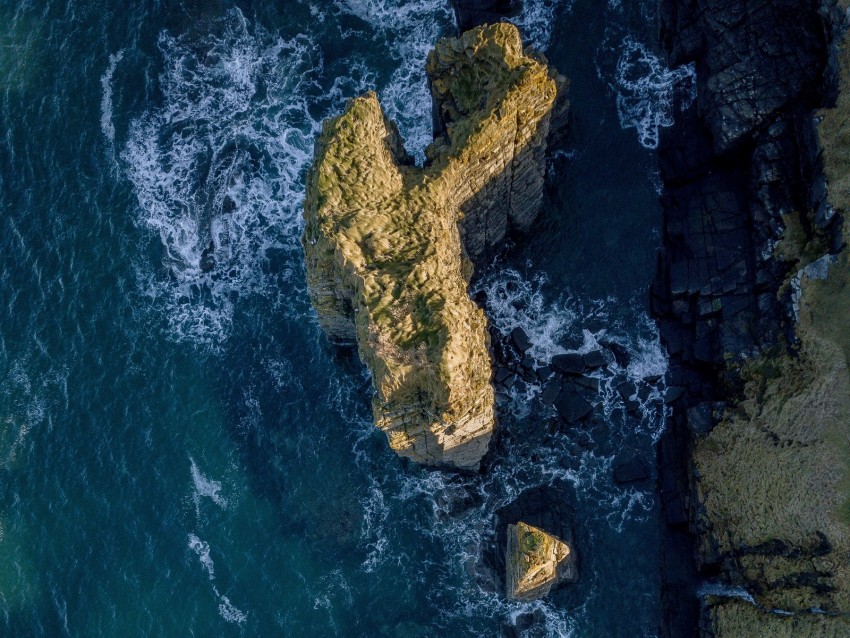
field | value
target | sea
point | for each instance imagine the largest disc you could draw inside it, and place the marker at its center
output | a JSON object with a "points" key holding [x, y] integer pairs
{"points": [[182, 453]]}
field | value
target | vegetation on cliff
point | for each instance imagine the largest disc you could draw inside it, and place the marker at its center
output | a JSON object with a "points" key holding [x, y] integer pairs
{"points": [[386, 266], [773, 478]]}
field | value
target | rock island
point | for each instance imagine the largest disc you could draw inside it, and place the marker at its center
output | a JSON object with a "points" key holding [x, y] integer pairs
{"points": [[390, 246]]}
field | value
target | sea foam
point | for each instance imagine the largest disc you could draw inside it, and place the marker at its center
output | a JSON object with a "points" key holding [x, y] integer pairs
{"points": [[106, 125], [218, 168], [647, 89]]}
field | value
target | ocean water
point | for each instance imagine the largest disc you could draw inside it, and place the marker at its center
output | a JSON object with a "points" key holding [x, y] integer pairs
{"points": [[181, 452]]}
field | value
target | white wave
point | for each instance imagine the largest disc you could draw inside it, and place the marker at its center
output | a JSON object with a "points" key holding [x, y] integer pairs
{"points": [[408, 29], [25, 398], [516, 302], [647, 89], [538, 18], [725, 591], [228, 611], [106, 125], [202, 549], [218, 168], [205, 488], [375, 514]]}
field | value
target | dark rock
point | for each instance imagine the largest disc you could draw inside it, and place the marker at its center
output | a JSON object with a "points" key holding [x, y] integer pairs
{"points": [[550, 392], [595, 359], [207, 262], [545, 373], [571, 406], [570, 363], [591, 383], [621, 354], [456, 499], [528, 363], [673, 393], [627, 389], [700, 418], [500, 375], [520, 340], [631, 470], [675, 512]]}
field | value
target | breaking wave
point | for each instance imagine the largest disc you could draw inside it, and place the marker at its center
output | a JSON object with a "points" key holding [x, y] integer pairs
{"points": [[647, 90], [218, 168], [227, 610], [202, 487], [537, 19], [408, 30], [106, 125]]}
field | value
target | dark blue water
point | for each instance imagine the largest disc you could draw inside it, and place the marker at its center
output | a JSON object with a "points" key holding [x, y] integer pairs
{"points": [[181, 453]]}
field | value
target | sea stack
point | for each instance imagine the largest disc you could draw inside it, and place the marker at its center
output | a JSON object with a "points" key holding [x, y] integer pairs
{"points": [[388, 266], [536, 562]]}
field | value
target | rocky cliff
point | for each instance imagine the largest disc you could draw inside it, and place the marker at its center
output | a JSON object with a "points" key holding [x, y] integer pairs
{"points": [[388, 244], [751, 465]]}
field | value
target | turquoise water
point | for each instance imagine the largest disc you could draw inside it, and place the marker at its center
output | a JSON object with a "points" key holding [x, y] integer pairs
{"points": [[180, 451]]}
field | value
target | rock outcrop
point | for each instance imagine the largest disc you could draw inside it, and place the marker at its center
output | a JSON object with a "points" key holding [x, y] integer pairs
{"points": [[534, 550], [536, 561], [745, 209], [388, 265]]}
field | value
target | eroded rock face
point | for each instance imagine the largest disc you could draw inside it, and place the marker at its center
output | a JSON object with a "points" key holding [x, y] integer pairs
{"points": [[536, 561], [386, 266]]}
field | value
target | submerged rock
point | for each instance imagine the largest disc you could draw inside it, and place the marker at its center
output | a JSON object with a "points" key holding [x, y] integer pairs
{"points": [[388, 266], [536, 561]]}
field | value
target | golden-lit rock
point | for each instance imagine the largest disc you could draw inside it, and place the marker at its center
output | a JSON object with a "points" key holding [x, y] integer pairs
{"points": [[386, 266], [535, 562]]}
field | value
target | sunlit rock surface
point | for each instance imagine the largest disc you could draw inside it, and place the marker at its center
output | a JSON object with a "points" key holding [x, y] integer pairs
{"points": [[386, 265], [535, 562]]}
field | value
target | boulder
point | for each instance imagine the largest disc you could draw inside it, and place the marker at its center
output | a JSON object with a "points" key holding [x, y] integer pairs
{"points": [[595, 359], [630, 470], [520, 340], [571, 406], [547, 509], [570, 363]]}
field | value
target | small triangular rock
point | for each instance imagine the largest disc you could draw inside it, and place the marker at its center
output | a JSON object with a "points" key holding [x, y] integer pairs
{"points": [[535, 562]]}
